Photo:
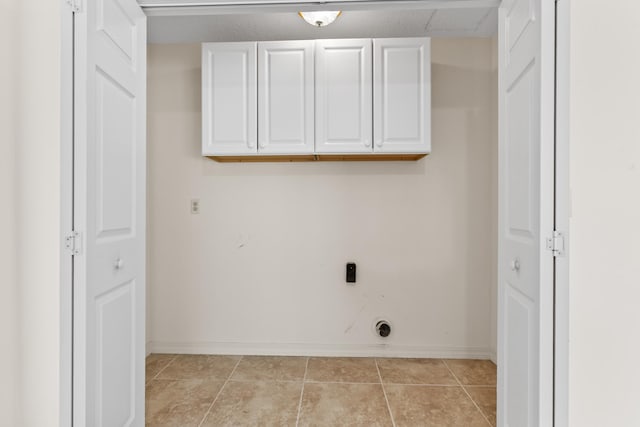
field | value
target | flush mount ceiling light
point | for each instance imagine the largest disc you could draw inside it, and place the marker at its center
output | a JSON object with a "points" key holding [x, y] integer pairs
{"points": [[321, 18]]}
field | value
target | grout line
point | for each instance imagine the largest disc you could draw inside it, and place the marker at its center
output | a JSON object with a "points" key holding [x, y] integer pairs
{"points": [[341, 382], [220, 391], [379, 382], [175, 356], [479, 385], [233, 380], [421, 385], [393, 421], [258, 380], [304, 378], [467, 393]]}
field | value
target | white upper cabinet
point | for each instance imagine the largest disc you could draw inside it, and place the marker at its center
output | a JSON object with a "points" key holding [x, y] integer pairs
{"points": [[317, 100], [285, 97], [229, 98], [402, 95], [343, 96]]}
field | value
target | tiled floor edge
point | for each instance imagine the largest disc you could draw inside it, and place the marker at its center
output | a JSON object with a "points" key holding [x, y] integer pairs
{"points": [[320, 350]]}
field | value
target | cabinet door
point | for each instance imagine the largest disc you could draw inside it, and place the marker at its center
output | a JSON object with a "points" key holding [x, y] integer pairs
{"points": [[229, 98], [343, 96], [285, 97], [402, 95]]}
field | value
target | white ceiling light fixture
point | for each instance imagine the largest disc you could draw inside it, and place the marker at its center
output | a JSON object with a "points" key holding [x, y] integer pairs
{"points": [[321, 18]]}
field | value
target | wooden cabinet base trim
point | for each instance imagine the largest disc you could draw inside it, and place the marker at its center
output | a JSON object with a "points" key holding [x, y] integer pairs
{"points": [[368, 157], [262, 159], [320, 157]]}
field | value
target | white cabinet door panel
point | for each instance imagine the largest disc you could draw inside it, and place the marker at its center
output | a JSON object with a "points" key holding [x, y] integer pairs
{"points": [[285, 97], [229, 98], [402, 95], [343, 96]]}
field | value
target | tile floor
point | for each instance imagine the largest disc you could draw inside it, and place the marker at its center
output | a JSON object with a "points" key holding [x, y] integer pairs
{"points": [[200, 390]]}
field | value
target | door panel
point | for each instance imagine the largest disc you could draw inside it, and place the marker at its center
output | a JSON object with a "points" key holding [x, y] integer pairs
{"points": [[520, 311], [115, 143], [109, 209], [285, 96], [402, 95], [519, 170], [525, 317], [343, 96], [229, 98], [116, 354], [114, 21]]}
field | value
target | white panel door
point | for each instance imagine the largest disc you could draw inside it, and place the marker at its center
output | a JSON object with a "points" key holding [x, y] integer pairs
{"points": [[402, 95], [109, 214], [285, 97], [229, 98], [526, 171], [343, 96]]}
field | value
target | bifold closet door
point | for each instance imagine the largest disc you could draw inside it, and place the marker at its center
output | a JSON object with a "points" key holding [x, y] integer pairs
{"points": [[109, 214], [343, 96], [285, 97], [526, 208]]}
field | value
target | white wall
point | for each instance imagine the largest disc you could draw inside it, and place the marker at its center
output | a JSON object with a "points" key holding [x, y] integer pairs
{"points": [[29, 218], [604, 129], [9, 337], [261, 269]]}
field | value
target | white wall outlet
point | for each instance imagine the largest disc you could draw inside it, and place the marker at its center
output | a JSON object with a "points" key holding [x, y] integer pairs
{"points": [[195, 206]]}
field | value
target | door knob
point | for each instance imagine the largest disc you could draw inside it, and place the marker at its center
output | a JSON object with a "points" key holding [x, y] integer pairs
{"points": [[515, 265], [119, 264]]}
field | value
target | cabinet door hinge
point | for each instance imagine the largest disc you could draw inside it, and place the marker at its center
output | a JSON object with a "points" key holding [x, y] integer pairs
{"points": [[556, 243], [72, 243], [74, 5]]}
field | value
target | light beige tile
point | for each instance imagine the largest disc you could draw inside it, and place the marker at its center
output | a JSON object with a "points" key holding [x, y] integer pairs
{"points": [[417, 405], [179, 402], [415, 371], [332, 404], [485, 398], [268, 368], [186, 367], [342, 369], [155, 363], [473, 372], [260, 403]]}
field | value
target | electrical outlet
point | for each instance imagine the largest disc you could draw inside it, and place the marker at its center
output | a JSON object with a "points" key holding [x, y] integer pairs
{"points": [[195, 206], [351, 272]]}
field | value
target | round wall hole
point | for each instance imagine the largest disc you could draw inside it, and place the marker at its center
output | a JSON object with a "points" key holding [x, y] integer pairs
{"points": [[383, 328]]}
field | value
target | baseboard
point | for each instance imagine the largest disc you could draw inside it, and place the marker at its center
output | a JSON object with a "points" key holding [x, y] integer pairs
{"points": [[493, 356], [308, 349], [148, 347]]}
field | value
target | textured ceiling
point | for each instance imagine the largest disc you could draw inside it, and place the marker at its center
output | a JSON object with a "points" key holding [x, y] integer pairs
{"points": [[457, 22]]}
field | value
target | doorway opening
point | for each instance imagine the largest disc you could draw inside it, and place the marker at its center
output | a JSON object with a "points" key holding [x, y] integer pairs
{"points": [[258, 268]]}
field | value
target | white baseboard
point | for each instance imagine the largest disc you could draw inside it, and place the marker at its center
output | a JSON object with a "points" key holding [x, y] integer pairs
{"points": [[308, 349]]}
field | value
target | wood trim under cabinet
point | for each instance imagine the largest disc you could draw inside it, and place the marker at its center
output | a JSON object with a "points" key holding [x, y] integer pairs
{"points": [[320, 157], [369, 157]]}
